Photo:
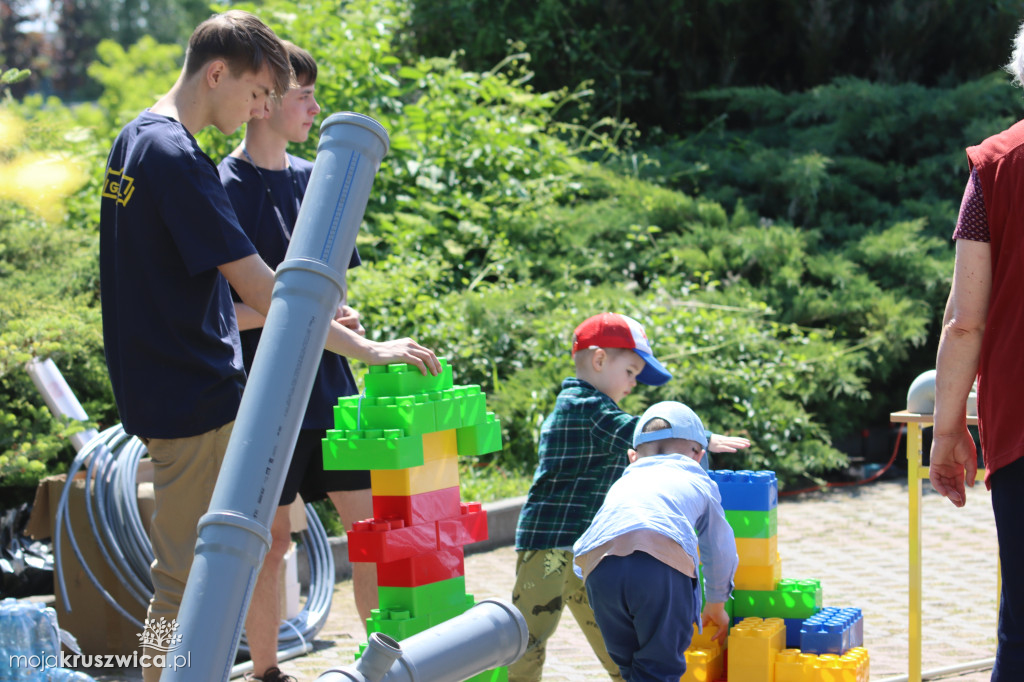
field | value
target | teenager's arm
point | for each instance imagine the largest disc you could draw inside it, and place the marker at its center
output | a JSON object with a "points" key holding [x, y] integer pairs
{"points": [[247, 317], [253, 280]]}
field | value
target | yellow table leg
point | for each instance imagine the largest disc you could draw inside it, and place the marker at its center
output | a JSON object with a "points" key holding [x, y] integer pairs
{"points": [[914, 475]]}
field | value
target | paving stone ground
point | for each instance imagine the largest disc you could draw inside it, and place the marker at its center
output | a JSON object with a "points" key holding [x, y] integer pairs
{"points": [[852, 539]]}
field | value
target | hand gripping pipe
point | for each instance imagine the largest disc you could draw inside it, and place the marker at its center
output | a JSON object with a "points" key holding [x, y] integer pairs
{"points": [[234, 534], [490, 635]]}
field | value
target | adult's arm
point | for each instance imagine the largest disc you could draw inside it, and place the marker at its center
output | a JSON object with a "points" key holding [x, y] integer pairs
{"points": [[953, 455], [253, 280]]}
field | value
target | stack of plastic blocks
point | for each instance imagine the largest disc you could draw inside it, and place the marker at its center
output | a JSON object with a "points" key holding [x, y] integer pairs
{"points": [[751, 500], [409, 431], [705, 658], [792, 665], [754, 645]]}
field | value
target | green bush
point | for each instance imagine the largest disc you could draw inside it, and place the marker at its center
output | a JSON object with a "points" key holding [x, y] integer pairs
{"points": [[787, 262], [643, 59], [48, 295]]}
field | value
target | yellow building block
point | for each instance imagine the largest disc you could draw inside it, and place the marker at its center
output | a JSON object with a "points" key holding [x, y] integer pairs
{"points": [[757, 551], [791, 665], [705, 660], [705, 640], [754, 644], [440, 444], [430, 476], [853, 666], [703, 665], [754, 577]]}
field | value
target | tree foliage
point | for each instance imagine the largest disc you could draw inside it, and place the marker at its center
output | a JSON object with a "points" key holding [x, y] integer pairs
{"points": [[788, 260], [644, 58]]}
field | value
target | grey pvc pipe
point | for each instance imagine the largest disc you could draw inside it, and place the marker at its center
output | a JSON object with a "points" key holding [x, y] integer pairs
{"points": [[490, 635], [234, 535]]}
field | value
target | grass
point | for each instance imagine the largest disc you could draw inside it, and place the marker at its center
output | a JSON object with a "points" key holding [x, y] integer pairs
{"points": [[479, 481]]}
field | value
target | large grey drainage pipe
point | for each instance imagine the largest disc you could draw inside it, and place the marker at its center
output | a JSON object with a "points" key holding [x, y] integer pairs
{"points": [[234, 535], [490, 635]]}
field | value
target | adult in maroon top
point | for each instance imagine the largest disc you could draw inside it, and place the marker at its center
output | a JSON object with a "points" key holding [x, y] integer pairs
{"points": [[983, 338]]}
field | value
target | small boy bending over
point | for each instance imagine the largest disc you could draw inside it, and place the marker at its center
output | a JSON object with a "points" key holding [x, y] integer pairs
{"points": [[639, 557], [583, 444]]}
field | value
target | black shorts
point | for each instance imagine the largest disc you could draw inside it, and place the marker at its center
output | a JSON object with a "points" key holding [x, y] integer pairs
{"points": [[306, 475]]}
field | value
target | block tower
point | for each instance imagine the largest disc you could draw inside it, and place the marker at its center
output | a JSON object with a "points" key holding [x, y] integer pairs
{"points": [[409, 430], [781, 632]]}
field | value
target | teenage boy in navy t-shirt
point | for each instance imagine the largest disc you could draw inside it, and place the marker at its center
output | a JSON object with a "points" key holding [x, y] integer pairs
{"points": [[169, 247], [266, 185]]}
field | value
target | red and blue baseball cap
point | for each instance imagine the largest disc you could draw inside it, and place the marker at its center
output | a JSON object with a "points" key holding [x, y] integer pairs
{"points": [[612, 330]]}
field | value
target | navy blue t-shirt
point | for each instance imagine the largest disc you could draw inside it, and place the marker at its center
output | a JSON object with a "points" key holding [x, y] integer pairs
{"points": [[169, 329], [267, 204]]}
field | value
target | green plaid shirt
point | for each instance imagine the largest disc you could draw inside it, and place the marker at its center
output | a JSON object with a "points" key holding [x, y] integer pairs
{"points": [[583, 446]]}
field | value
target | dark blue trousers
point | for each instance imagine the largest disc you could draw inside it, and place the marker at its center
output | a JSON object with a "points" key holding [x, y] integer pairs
{"points": [[1008, 505], [645, 610]]}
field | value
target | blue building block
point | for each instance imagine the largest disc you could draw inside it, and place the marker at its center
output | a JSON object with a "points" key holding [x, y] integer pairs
{"points": [[832, 631], [793, 626], [747, 490]]}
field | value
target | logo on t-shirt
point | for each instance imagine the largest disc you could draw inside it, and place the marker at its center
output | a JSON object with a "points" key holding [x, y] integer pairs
{"points": [[118, 186]]}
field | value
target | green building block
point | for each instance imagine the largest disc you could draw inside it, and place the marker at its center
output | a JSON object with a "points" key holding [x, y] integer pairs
{"points": [[346, 412], [446, 409], [403, 379], [753, 524], [473, 406], [481, 438], [791, 599], [414, 414], [495, 675], [372, 449], [400, 624], [421, 600]]}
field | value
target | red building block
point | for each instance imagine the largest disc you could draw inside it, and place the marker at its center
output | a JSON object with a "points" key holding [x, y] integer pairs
{"points": [[422, 569], [470, 526], [432, 505], [384, 541]]}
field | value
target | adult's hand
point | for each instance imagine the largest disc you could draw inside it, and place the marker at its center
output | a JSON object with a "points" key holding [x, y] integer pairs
{"points": [[953, 461]]}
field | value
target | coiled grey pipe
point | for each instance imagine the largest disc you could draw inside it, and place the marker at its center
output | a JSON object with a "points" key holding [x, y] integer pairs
{"points": [[111, 462]]}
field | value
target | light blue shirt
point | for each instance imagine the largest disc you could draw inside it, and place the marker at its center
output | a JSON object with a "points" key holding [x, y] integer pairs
{"points": [[674, 496]]}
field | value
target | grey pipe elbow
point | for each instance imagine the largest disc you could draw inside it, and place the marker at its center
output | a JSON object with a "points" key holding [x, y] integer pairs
{"points": [[490, 635], [921, 395]]}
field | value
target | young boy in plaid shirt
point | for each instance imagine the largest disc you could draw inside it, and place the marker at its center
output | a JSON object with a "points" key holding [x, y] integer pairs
{"points": [[583, 446]]}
